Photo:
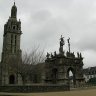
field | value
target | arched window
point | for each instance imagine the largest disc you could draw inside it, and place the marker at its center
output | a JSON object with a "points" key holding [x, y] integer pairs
{"points": [[14, 27]]}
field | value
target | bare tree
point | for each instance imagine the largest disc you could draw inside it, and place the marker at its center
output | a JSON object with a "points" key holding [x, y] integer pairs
{"points": [[27, 66], [30, 62], [34, 57]]}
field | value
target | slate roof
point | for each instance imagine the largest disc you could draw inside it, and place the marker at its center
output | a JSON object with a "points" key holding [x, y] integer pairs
{"points": [[90, 71]]}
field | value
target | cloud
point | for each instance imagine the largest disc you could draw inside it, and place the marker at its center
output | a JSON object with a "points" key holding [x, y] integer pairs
{"points": [[89, 58], [41, 16]]}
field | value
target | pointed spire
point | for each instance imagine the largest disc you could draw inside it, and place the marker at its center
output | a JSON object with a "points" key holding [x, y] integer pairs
{"points": [[14, 11]]}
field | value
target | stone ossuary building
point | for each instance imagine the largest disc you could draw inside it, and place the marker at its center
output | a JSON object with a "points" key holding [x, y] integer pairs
{"points": [[56, 67]]}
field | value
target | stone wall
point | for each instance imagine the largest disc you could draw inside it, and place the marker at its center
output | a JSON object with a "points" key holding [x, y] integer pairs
{"points": [[34, 88]]}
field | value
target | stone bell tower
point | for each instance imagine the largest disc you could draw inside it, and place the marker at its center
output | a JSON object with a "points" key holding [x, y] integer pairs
{"points": [[11, 48]]}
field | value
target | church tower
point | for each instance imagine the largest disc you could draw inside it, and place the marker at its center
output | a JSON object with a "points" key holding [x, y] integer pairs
{"points": [[11, 48], [12, 33]]}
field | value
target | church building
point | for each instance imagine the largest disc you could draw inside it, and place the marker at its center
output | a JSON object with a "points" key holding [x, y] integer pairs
{"points": [[55, 69]]}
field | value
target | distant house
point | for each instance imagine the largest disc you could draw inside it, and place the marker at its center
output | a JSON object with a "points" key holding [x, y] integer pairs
{"points": [[89, 73]]}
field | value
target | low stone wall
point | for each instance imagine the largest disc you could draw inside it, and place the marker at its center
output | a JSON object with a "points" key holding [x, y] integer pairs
{"points": [[34, 88]]}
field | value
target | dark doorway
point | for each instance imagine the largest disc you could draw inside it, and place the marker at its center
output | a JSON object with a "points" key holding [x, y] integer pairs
{"points": [[12, 79], [54, 75]]}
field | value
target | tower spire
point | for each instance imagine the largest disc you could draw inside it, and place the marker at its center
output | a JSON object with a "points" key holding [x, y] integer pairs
{"points": [[14, 11]]}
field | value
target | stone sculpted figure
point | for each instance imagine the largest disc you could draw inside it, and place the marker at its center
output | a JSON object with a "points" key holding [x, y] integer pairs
{"points": [[62, 41], [61, 45], [51, 55], [47, 55], [55, 53], [78, 54], [68, 40]]}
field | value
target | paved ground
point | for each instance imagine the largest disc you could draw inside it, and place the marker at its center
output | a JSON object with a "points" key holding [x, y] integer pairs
{"points": [[75, 92]]}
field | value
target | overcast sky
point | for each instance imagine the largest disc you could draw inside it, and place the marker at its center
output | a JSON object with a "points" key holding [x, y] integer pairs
{"points": [[44, 21]]}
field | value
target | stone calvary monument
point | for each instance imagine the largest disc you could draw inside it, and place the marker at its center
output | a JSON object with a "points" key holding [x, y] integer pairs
{"points": [[56, 67]]}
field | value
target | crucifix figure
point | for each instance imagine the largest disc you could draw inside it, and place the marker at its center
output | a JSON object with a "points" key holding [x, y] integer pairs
{"points": [[68, 44], [61, 41], [48, 55]]}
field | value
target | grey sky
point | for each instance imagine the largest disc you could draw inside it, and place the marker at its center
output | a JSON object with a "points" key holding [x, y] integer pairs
{"points": [[43, 21]]}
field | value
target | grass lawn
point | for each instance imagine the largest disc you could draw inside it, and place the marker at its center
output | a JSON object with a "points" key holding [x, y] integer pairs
{"points": [[87, 92]]}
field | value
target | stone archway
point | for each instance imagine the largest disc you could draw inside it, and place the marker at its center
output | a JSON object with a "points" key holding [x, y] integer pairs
{"points": [[71, 79], [11, 79]]}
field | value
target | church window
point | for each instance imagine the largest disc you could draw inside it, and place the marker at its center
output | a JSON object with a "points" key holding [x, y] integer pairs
{"points": [[14, 27]]}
